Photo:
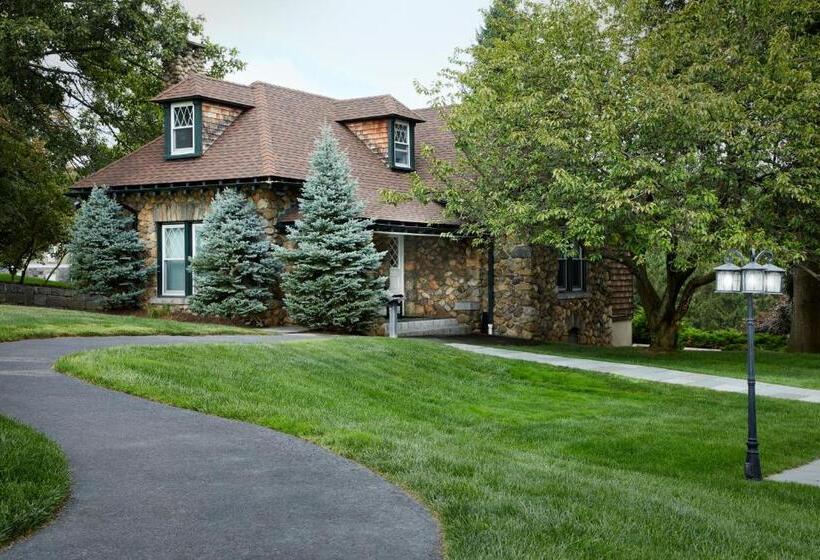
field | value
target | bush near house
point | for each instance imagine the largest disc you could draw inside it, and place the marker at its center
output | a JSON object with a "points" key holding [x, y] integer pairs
{"points": [[719, 339], [332, 281], [235, 267], [107, 256]]}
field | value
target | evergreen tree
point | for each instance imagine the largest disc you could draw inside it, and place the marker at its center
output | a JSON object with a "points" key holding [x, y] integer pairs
{"points": [[235, 266], [107, 256], [332, 282]]}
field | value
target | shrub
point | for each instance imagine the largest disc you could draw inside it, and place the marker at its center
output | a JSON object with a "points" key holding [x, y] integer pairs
{"points": [[107, 256], [332, 281], [235, 267]]}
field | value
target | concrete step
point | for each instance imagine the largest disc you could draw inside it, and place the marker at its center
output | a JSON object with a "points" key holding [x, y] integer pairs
{"points": [[430, 327]]}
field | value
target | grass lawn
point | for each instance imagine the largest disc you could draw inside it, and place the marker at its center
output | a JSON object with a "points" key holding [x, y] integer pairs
{"points": [[785, 368], [34, 479], [19, 322], [33, 281], [517, 460]]}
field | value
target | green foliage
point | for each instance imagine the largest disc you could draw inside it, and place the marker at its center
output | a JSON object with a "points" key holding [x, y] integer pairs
{"points": [[34, 213], [665, 131], [107, 256], [721, 339], [78, 74], [236, 271], [33, 281], [332, 282]]}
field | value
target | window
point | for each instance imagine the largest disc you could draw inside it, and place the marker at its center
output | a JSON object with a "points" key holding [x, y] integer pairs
{"points": [[401, 144], [177, 244], [173, 260], [182, 128], [572, 271]]}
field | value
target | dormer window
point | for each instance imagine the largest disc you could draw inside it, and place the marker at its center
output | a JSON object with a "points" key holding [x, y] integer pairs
{"points": [[400, 152], [183, 120]]}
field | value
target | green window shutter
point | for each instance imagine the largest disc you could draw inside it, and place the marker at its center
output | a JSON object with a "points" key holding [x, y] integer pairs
{"points": [[167, 128], [390, 159], [197, 127], [159, 259], [412, 142], [189, 246]]}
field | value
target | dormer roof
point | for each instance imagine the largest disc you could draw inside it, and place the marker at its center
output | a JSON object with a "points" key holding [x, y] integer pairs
{"points": [[367, 108], [198, 86]]}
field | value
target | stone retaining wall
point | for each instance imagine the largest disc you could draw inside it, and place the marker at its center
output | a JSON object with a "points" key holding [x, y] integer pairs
{"points": [[47, 296]]}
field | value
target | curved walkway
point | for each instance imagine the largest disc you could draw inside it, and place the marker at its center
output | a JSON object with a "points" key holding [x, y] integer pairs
{"points": [[152, 481]]}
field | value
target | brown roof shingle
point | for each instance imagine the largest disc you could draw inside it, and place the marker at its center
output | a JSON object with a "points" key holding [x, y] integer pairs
{"points": [[363, 108], [274, 137], [200, 86]]}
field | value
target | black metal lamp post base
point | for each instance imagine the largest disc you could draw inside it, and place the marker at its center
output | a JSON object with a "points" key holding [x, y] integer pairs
{"points": [[752, 467]]}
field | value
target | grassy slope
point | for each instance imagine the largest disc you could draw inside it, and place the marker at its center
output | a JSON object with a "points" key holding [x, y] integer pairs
{"points": [[34, 479], [19, 322], [33, 281], [786, 368], [518, 460]]}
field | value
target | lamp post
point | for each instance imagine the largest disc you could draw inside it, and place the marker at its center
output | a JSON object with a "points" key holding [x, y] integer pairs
{"points": [[753, 278]]}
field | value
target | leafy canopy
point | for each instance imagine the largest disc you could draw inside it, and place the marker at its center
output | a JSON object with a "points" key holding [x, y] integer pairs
{"points": [[79, 75], [665, 132]]}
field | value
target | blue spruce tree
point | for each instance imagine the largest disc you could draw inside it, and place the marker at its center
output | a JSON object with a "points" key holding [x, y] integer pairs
{"points": [[107, 256], [235, 268], [332, 280]]}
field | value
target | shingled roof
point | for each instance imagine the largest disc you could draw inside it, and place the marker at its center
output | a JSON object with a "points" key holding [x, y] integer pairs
{"points": [[274, 137]]}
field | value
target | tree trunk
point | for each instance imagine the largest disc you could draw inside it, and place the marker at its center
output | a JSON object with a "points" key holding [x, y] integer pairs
{"points": [[805, 331], [664, 336]]}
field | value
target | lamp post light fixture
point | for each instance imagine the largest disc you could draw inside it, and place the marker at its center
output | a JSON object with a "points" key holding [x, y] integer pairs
{"points": [[751, 279]]}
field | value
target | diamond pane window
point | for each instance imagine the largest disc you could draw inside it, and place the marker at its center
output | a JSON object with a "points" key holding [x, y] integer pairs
{"points": [[401, 144], [182, 128], [393, 251]]}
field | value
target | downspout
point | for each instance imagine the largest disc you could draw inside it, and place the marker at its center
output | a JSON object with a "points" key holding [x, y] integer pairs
{"points": [[490, 285]]}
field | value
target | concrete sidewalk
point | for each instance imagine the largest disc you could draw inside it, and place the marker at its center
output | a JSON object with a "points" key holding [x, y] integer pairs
{"points": [[649, 373]]}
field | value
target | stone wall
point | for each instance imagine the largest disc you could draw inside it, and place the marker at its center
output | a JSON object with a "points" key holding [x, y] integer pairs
{"points": [[47, 296], [442, 278], [529, 305], [192, 205]]}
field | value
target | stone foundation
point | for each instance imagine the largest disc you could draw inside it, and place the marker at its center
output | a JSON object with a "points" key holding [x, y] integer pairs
{"points": [[47, 296]]}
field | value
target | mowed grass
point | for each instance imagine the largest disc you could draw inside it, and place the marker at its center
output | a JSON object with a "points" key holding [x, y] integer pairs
{"points": [[34, 479], [785, 368], [517, 460], [33, 281], [19, 322]]}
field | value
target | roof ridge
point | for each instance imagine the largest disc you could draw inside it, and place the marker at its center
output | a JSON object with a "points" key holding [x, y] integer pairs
{"points": [[277, 86]]}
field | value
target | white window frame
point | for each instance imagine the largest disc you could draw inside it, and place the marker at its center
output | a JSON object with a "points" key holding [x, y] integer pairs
{"points": [[183, 151], [195, 226], [405, 144], [165, 259]]}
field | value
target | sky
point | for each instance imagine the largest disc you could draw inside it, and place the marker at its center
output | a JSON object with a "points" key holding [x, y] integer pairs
{"points": [[342, 48]]}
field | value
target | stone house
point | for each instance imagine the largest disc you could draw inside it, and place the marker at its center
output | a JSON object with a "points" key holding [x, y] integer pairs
{"points": [[258, 138]]}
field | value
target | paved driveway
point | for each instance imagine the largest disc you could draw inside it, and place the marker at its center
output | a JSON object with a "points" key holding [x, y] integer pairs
{"points": [[150, 481]]}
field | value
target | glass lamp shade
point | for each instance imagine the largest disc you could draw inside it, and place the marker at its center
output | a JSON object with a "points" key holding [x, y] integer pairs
{"points": [[727, 278], [774, 279], [754, 278]]}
